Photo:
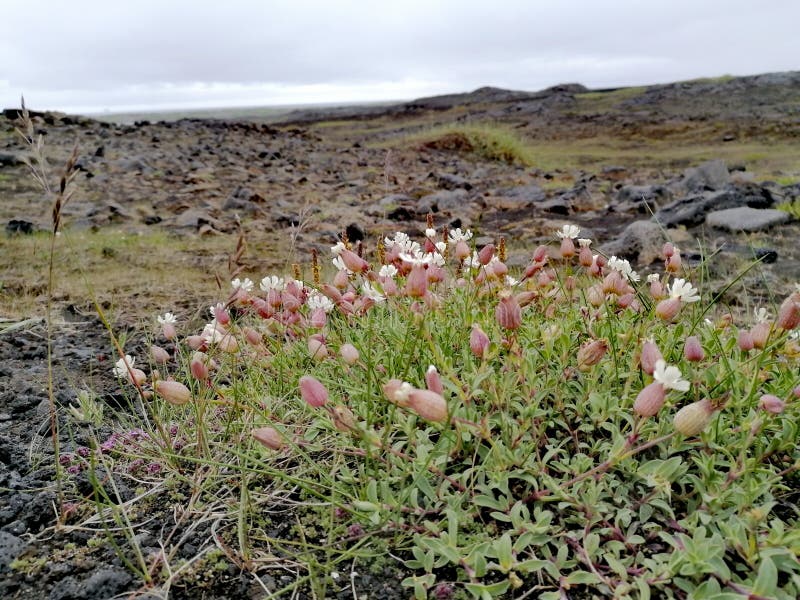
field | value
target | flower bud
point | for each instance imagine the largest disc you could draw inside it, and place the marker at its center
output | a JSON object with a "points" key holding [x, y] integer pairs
{"points": [[353, 261], [692, 350], [198, 366], [693, 418], [168, 331], [591, 353], [312, 391], [428, 405], [667, 250], [485, 255], [221, 315], [650, 400], [540, 254], [745, 341], [650, 356], [196, 342], [525, 298], [567, 248], [789, 313], [462, 250], [668, 309], [433, 380], [268, 437], [657, 290], [508, 313], [417, 282], [673, 263], [771, 404], [317, 349], [595, 296], [585, 257], [760, 334], [478, 342], [252, 336], [159, 355], [349, 354], [173, 392], [137, 376], [318, 318]]}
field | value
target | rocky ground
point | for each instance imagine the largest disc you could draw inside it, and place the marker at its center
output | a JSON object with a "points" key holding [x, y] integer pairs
{"points": [[370, 172]]}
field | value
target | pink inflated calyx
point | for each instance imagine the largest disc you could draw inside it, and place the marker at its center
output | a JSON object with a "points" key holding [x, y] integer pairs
{"points": [[312, 391], [508, 312], [478, 342], [433, 380], [428, 405], [353, 261], [650, 400], [693, 350]]}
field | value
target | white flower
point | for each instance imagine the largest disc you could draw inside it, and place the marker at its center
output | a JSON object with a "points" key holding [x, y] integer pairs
{"points": [[683, 290], [709, 323], [456, 235], [653, 278], [436, 259], [623, 267], [670, 377], [245, 285], [417, 258], [338, 248], [213, 310], [441, 247], [339, 264], [317, 300], [167, 319], [430, 232], [402, 393], [568, 231], [212, 333], [795, 335], [272, 282], [762, 315], [388, 271], [370, 292], [510, 281], [120, 370], [403, 242], [584, 242]]}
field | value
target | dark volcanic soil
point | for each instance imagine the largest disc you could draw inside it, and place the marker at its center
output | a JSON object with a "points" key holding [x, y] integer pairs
{"points": [[197, 177]]}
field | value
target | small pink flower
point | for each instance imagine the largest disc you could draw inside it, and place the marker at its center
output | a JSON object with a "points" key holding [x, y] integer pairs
{"points": [[252, 336], [318, 318], [269, 437], [591, 353], [312, 391], [198, 366], [428, 405], [485, 255], [771, 404], [417, 282], [349, 354], [353, 261], [508, 312], [650, 400], [567, 248], [585, 257], [668, 309], [760, 334], [789, 313], [317, 349], [173, 392], [667, 250], [673, 263], [478, 341], [692, 350], [159, 355], [745, 341], [433, 380], [650, 356], [462, 251]]}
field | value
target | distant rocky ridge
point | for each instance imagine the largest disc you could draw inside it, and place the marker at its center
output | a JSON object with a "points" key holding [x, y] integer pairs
{"points": [[202, 175]]}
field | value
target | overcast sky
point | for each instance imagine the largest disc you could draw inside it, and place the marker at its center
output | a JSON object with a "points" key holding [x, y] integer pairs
{"points": [[117, 55]]}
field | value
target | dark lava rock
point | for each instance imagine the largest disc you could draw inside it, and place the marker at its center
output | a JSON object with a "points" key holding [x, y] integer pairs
{"points": [[557, 206], [443, 201], [9, 159], [745, 218], [448, 181], [641, 196], [103, 584], [692, 210], [355, 233], [244, 200], [10, 547], [19, 226]]}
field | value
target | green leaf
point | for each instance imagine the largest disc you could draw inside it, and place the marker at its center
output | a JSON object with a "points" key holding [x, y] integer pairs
{"points": [[487, 592], [591, 543], [767, 580], [582, 578]]}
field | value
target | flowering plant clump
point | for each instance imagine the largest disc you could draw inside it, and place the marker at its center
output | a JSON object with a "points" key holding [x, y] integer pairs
{"points": [[569, 431]]}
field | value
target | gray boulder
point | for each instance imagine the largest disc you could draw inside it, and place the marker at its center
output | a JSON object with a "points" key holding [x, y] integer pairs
{"points": [[640, 242], [692, 210], [711, 175], [745, 218], [445, 200], [639, 195], [525, 195], [9, 159]]}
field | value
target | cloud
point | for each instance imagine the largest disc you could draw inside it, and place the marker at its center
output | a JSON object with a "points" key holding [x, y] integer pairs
{"points": [[94, 52]]}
